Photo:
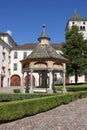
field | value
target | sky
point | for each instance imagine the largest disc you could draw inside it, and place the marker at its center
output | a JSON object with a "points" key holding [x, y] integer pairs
{"points": [[23, 19]]}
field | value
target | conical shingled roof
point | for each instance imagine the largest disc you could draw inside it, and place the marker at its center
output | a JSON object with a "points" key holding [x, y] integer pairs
{"points": [[76, 16], [44, 50]]}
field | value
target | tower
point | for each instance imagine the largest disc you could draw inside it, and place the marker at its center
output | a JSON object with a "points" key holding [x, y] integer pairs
{"points": [[79, 21]]}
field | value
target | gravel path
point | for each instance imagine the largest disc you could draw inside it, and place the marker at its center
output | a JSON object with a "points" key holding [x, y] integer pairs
{"points": [[72, 116]]}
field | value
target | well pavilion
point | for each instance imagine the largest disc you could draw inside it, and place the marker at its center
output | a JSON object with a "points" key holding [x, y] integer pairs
{"points": [[45, 61]]}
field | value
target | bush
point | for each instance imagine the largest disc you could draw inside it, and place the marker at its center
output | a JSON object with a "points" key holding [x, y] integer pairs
{"points": [[73, 88], [18, 96], [16, 90], [18, 109]]}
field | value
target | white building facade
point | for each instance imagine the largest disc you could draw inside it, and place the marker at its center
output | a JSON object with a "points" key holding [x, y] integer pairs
{"points": [[6, 43]]}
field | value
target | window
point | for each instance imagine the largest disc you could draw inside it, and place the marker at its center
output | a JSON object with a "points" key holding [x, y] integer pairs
{"points": [[82, 28], [15, 66], [73, 22], [15, 54], [24, 54], [3, 47]]}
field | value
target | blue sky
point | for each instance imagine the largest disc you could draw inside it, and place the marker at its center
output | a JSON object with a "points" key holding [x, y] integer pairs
{"points": [[24, 18]]}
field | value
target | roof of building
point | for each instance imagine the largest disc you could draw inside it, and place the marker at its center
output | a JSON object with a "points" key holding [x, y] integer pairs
{"points": [[4, 44], [44, 51], [6, 34], [76, 16], [31, 46]]}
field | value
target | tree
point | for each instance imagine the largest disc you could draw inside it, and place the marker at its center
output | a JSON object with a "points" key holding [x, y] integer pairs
{"points": [[75, 50]]}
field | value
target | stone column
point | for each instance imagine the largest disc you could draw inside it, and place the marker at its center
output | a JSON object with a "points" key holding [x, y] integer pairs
{"points": [[31, 81], [64, 88], [53, 83], [22, 83], [27, 83], [40, 79], [50, 81]]}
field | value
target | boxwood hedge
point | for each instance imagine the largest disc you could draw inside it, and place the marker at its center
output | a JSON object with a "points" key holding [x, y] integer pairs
{"points": [[72, 88], [6, 97], [18, 109]]}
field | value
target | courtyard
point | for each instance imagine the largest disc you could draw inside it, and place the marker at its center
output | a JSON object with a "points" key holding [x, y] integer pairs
{"points": [[72, 116]]}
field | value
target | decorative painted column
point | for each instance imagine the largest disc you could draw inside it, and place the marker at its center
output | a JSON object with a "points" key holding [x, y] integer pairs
{"points": [[22, 83], [31, 81], [50, 81]]}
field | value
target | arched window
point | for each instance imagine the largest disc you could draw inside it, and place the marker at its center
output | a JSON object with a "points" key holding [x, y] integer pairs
{"points": [[73, 22], [83, 28]]}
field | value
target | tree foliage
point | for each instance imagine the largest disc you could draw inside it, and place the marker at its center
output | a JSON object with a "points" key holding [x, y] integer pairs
{"points": [[75, 50]]}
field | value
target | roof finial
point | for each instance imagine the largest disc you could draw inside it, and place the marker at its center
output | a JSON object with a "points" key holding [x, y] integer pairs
{"points": [[43, 25], [43, 34], [44, 31]]}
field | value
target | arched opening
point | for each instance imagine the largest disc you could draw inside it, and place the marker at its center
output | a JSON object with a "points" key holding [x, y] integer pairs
{"points": [[15, 80], [40, 65], [27, 80], [2, 79], [56, 65]]}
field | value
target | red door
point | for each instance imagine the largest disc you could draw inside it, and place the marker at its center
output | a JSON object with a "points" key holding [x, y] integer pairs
{"points": [[15, 80], [27, 80]]}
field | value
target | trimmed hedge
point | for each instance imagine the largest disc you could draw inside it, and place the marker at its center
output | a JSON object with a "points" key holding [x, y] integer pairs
{"points": [[5, 97], [72, 88], [76, 88], [19, 109]]}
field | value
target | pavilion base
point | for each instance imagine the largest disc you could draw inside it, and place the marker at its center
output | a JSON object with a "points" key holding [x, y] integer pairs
{"points": [[31, 91], [42, 90], [63, 90], [22, 89], [49, 91]]}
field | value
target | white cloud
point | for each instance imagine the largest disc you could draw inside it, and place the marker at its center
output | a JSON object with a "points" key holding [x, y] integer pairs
{"points": [[9, 32]]}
